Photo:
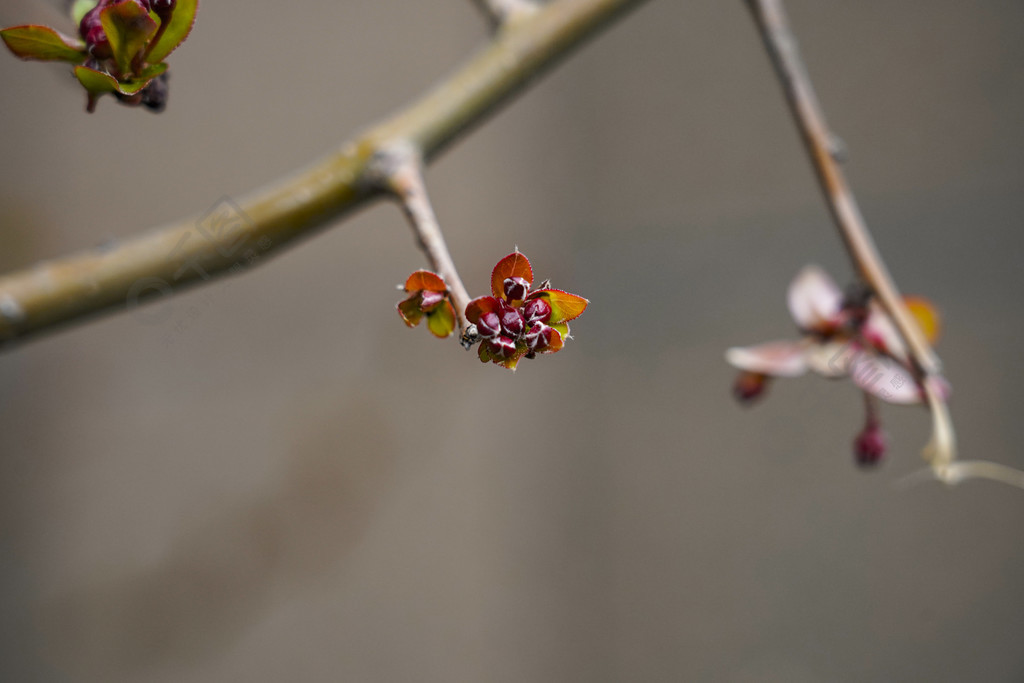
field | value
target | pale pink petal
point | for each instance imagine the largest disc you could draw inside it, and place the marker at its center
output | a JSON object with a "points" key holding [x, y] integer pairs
{"points": [[880, 331], [815, 300], [831, 359], [779, 359], [883, 377]]}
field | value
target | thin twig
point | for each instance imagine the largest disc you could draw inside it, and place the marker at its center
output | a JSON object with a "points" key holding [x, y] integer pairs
{"points": [[781, 44], [166, 260], [401, 172], [821, 143]]}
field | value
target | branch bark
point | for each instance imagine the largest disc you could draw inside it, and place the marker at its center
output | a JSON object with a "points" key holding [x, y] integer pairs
{"points": [[168, 259]]}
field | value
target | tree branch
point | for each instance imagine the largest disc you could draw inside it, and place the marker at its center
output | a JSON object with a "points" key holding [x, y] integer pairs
{"points": [[401, 171], [821, 144], [501, 11], [166, 260]]}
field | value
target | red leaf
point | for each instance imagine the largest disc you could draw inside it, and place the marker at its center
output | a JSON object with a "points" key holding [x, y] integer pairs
{"points": [[561, 331], [477, 307], [513, 265], [424, 279]]}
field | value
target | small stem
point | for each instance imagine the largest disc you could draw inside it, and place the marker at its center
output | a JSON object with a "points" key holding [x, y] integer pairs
{"points": [[821, 143], [870, 410], [401, 172]]}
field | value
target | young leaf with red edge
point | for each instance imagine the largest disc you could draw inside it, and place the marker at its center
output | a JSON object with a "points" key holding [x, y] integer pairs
{"points": [[428, 298], [176, 31], [129, 28], [441, 320], [424, 279], [564, 306], [513, 265], [100, 83], [43, 43]]}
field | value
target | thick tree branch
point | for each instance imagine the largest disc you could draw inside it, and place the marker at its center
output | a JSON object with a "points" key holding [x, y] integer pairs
{"points": [[166, 260]]}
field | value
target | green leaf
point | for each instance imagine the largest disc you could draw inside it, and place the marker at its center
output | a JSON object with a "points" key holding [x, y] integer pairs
{"points": [[177, 30], [129, 28], [82, 7], [99, 83], [513, 265], [441, 321], [564, 306], [96, 82], [43, 43]]}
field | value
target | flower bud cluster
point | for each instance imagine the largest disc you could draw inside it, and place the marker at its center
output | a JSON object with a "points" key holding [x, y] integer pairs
{"points": [[518, 321], [504, 329]]}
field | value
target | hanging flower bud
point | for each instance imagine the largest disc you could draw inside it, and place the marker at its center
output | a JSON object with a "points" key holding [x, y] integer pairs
{"points": [[749, 386], [870, 445]]}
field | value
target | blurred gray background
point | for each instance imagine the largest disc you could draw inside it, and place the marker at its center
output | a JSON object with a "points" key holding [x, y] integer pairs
{"points": [[279, 481]]}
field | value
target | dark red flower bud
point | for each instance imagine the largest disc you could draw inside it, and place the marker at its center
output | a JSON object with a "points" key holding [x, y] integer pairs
{"points": [[429, 300], [516, 288], [502, 347], [538, 338], [512, 323], [749, 386], [870, 445], [488, 325], [93, 34], [537, 310], [160, 6]]}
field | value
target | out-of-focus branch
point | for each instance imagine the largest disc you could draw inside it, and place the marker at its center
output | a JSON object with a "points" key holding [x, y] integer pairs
{"points": [[821, 143], [401, 172], [167, 259], [782, 47], [501, 11]]}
